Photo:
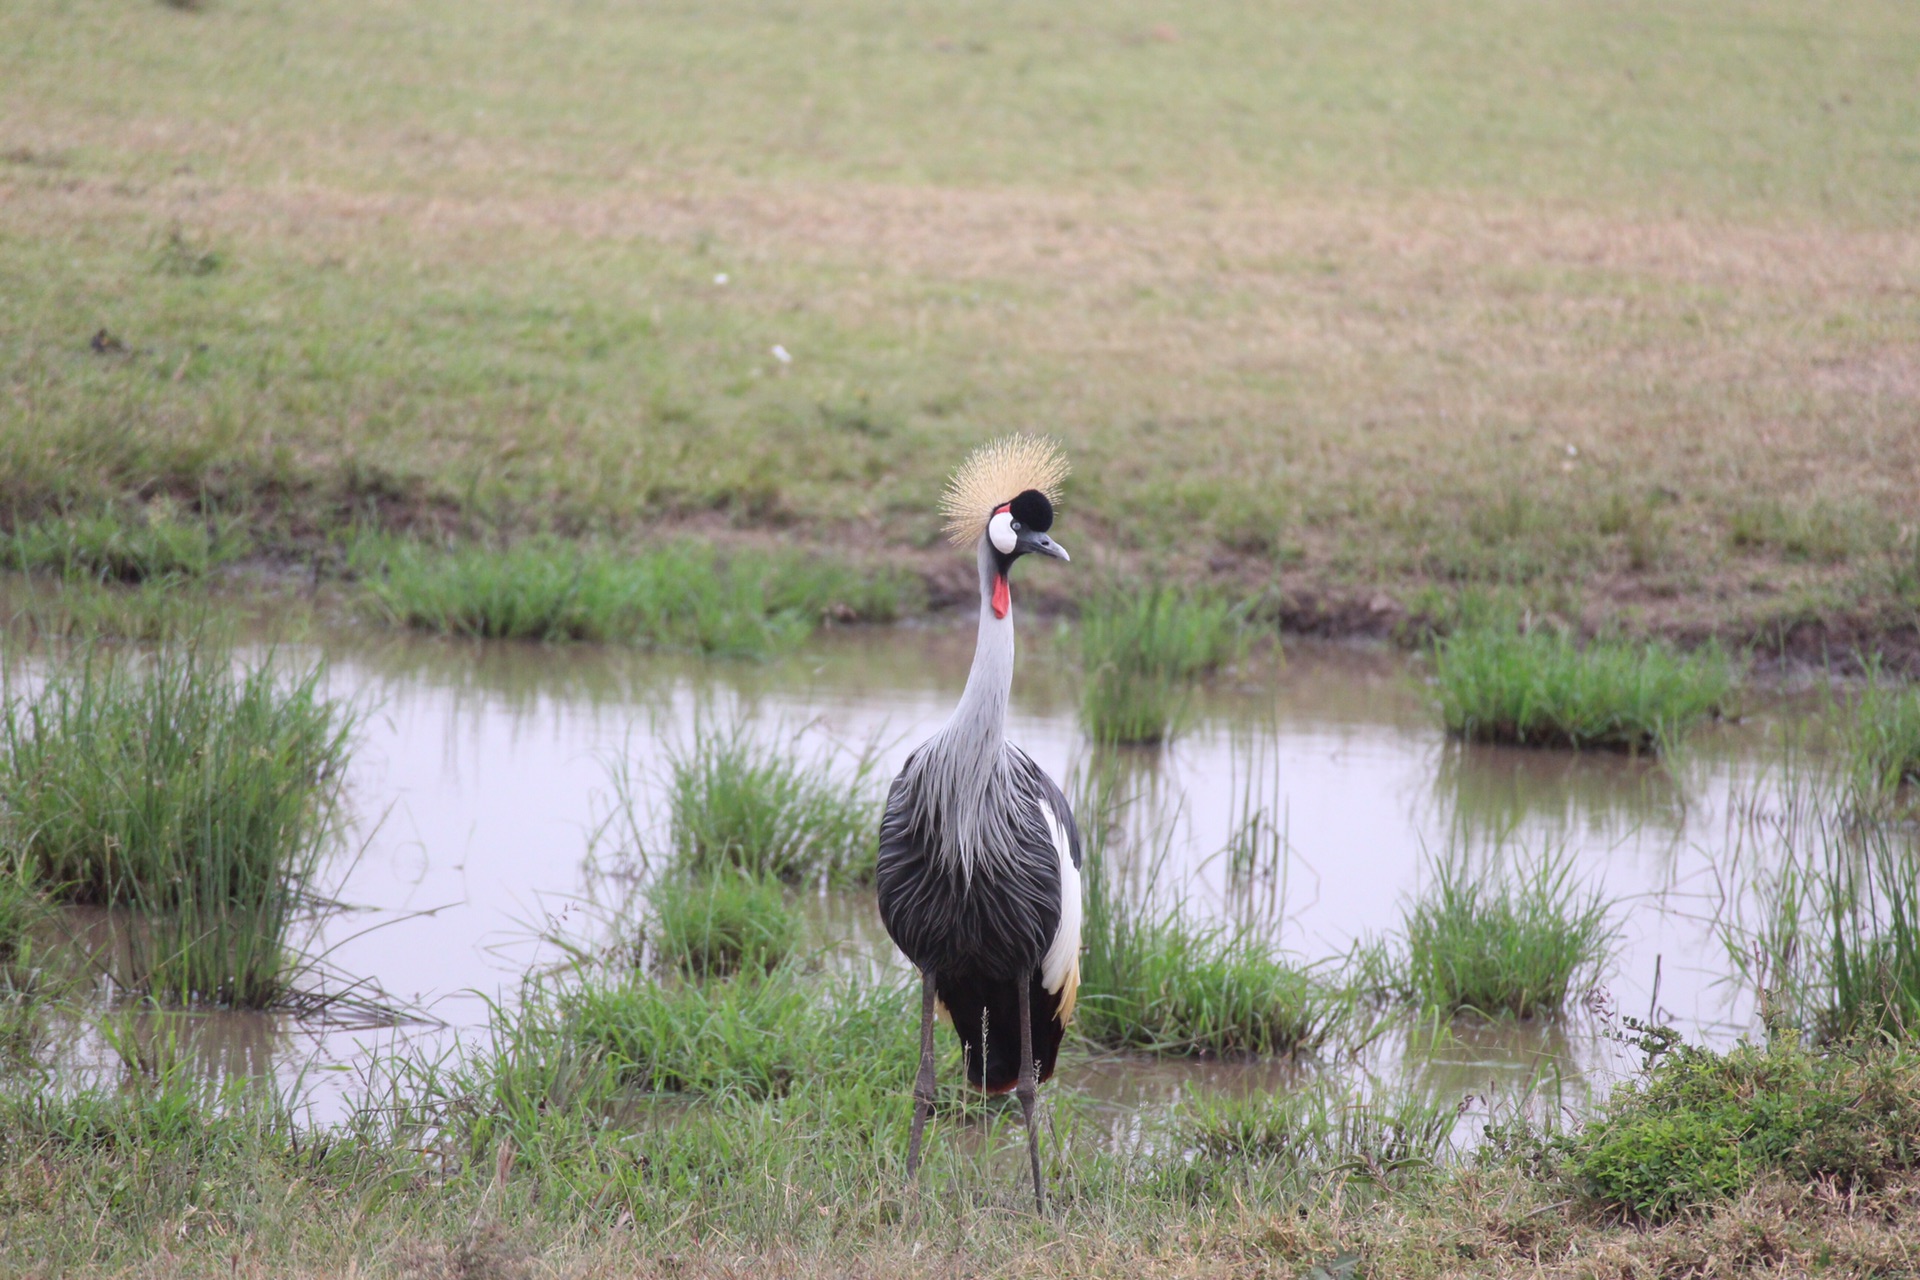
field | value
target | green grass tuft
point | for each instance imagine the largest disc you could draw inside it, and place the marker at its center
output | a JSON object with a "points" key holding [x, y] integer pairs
{"points": [[1153, 977], [1510, 945], [766, 810], [1537, 689], [754, 1036], [116, 546], [1836, 950], [201, 797], [1309, 1132], [1703, 1127], [1883, 742], [1142, 649], [720, 924], [682, 596]]}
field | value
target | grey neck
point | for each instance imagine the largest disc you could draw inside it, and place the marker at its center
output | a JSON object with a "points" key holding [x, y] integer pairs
{"points": [[955, 783], [978, 725]]}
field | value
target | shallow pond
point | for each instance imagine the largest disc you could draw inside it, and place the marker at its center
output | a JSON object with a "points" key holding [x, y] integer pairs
{"points": [[482, 781]]}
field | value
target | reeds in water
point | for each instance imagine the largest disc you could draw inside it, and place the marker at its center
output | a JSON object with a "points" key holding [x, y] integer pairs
{"points": [[680, 596], [1154, 976], [763, 808], [1142, 649], [1829, 929], [1317, 1130], [1882, 739], [1514, 943], [200, 798], [1538, 689]]}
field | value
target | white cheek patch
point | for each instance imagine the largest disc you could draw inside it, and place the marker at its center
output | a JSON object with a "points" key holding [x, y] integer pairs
{"points": [[1000, 532]]}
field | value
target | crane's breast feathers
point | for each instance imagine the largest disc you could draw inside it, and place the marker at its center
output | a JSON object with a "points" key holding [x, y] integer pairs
{"points": [[985, 883]]}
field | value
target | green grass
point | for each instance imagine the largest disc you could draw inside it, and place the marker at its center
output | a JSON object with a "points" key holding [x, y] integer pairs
{"points": [[1538, 689], [754, 1036], [115, 545], [1882, 742], [738, 803], [200, 797], [1705, 1127], [1141, 650], [1154, 977], [677, 596], [1829, 933], [19, 910], [1514, 943], [1315, 1129], [719, 924], [1432, 334]]}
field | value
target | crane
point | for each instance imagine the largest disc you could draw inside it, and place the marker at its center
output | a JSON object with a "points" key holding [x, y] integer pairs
{"points": [[979, 863]]}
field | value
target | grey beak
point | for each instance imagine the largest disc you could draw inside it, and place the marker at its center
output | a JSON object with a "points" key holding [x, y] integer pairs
{"points": [[1041, 544]]}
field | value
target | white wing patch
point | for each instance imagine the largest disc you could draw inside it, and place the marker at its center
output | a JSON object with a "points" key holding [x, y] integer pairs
{"points": [[1060, 967]]}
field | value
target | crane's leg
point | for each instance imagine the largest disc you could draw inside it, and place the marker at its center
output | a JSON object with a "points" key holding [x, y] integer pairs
{"points": [[1027, 1090], [922, 1083]]}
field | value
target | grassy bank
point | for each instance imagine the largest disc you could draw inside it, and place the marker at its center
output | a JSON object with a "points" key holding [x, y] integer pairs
{"points": [[509, 1163], [679, 596], [1569, 303]]}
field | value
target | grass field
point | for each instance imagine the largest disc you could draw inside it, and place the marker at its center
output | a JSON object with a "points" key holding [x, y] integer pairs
{"points": [[1614, 305]]}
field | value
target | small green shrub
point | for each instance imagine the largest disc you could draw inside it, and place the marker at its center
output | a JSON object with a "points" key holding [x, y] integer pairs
{"points": [[720, 924], [678, 596], [1513, 945], [1142, 649], [1704, 1126], [765, 810], [201, 797], [1537, 689]]}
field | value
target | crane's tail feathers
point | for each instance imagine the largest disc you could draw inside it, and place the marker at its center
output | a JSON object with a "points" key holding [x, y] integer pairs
{"points": [[986, 1013]]}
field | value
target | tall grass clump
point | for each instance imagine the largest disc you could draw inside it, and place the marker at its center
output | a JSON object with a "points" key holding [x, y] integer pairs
{"points": [[1829, 931], [1882, 738], [681, 596], [736, 804], [1154, 977], [754, 1036], [1142, 649], [19, 909], [1538, 689], [117, 546], [1512, 944], [719, 924], [201, 797]]}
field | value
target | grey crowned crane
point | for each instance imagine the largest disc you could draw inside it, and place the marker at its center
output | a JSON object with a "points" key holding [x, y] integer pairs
{"points": [[979, 867]]}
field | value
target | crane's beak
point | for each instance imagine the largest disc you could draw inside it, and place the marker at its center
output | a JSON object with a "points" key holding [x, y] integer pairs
{"points": [[1041, 544]]}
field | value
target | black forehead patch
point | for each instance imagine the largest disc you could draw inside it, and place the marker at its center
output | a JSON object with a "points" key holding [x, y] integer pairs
{"points": [[1033, 511]]}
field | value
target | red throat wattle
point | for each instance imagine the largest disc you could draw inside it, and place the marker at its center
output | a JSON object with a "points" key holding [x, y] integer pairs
{"points": [[1002, 595]]}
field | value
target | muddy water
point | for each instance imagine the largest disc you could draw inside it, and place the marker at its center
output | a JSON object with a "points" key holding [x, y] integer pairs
{"points": [[482, 787]]}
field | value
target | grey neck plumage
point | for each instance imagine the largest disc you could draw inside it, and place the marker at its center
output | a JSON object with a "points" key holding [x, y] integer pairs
{"points": [[961, 782], [978, 725]]}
